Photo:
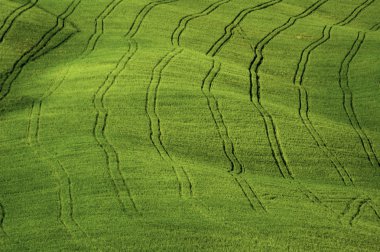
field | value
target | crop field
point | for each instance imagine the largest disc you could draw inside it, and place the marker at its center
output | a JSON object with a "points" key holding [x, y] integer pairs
{"points": [[189, 125]]}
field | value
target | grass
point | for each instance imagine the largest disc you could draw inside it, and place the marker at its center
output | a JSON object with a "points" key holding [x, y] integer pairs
{"points": [[182, 125]]}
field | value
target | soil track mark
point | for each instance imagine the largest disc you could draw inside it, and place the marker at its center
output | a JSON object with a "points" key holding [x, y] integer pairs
{"points": [[229, 29], [183, 180], [12, 17], [99, 25], [236, 169], [26, 57], [182, 24], [112, 157], [348, 100]]}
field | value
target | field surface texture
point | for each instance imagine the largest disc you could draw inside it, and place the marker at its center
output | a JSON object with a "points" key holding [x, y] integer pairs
{"points": [[189, 125]]}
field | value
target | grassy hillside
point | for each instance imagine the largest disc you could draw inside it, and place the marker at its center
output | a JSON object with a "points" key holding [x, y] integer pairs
{"points": [[231, 125]]}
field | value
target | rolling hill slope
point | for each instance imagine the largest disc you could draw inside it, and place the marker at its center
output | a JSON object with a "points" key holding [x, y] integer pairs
{"points": [[231, 125]]}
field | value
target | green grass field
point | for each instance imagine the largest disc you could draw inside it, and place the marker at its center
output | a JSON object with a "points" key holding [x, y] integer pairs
{"points": [[187, 125]]}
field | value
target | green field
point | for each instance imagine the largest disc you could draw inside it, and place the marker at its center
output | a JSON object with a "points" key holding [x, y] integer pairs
{"points": [[190, 125]]}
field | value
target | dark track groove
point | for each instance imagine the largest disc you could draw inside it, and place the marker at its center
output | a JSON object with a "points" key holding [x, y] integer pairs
{"points": [[2, 218], [182, 24], [303, 93], [229, 29], [348, 100], [255, 98], [184, 183], [99, 25], [112, 157], [236, 169], [142, 14], [26, 57], [12, 17]]}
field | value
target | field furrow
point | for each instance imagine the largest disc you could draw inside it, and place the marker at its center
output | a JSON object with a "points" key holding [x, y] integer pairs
{"points": [[12, 17]]}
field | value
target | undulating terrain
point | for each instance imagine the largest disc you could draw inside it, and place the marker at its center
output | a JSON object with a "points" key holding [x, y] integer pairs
{"points": [[190, 125]]}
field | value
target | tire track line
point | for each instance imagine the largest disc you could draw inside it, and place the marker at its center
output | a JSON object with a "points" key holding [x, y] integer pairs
{"points": [[303, 109], [236, 168], [255, 98], [348, 100], [119, 183], [184, 183], [26, 57], [182, 25], [376, 27], [2, 218], [353, 210], [65, 195], [12, 17], [142, 14], [99, 25], [112, 159], [229, 29]]}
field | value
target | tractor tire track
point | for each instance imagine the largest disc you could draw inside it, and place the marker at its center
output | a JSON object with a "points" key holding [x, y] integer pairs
{"points": [[65, 199], [303, 107], [354, 209], [236, 168], [348, 100], [255, 98], [99, 25], [229, 29], [12, 17], [142, 14], [182, 24], [376, 27], [354, 14], [26, 57], [183, 180], [119, 183], [2, 218]]}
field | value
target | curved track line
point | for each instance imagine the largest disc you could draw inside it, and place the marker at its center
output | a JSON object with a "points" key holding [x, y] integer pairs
{"points": [[183, 180], [303, 109], [236, 167], [270, 126], [348, 100], [99, 25], [182, 24], [303, 106], [26, 57], [12, 17], [142, 14], [229, 29], [2, 218], [376, 27], [112, 157]]}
